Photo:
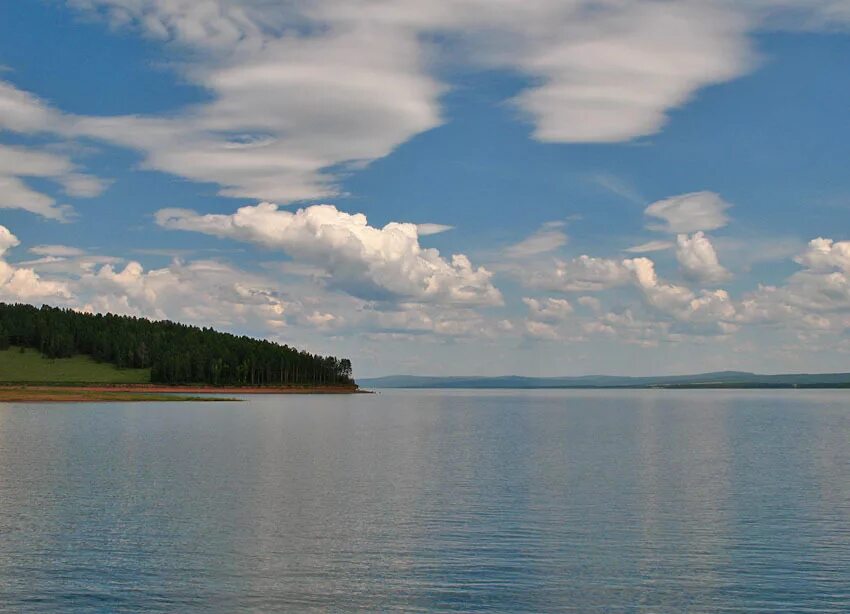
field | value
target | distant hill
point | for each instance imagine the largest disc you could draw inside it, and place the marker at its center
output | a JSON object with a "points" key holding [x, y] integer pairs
{"points": [[719, 379]]}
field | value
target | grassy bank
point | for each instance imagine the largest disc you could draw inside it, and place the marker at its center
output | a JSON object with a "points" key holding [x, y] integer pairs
{"points": [[31, 367], [27, 376]]}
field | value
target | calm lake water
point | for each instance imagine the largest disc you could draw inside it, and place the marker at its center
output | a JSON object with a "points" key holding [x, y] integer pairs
{"points": [[598, 501]]}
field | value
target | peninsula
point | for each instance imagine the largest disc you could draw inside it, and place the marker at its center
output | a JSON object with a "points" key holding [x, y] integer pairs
{"points": [[53, 354]]}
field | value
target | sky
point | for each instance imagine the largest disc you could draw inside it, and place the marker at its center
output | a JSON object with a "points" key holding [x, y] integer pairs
{"points": [[535, 187]]}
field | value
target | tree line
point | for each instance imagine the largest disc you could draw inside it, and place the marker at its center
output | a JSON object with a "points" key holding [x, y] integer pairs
{"points": [[175, 353]]}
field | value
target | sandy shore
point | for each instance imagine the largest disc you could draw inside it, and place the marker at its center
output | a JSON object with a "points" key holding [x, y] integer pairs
{"points": [[149, 392], [190, 389]]}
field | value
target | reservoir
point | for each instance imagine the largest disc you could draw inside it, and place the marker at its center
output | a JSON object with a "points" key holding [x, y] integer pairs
{"points": [[537, 501]]}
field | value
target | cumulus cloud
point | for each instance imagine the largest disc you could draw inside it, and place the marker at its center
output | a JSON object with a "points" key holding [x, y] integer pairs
{"points": [[814, 301], [548, 309], [420, 319], [203, 292], [826, 254], [665, 296], [364, 260], [23, 284], [7, 240], [813, 304], [586, 273], [679, 301], [698, 259], [627, 327], [816, 297], [542, 330], [582, 274], [591, 302], [689, 212], [210, 292]]}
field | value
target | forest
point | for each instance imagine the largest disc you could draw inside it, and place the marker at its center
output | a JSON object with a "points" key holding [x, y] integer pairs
{"points": [[175, 353]]}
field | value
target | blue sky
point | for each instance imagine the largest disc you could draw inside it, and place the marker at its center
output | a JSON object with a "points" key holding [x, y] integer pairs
{"points": [[612, 187]]}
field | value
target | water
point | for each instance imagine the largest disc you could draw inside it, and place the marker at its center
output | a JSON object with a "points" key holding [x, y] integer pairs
{"points": [[598, 501]]}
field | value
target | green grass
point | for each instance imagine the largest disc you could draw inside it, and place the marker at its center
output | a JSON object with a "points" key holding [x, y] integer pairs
{"points": [[31, 367]]}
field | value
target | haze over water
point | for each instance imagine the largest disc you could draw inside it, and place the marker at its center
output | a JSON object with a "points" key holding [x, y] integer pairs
{"points": [[615, 501]]}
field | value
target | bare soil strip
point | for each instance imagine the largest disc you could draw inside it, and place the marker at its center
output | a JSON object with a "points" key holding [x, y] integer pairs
{"points": [[148, 392]]}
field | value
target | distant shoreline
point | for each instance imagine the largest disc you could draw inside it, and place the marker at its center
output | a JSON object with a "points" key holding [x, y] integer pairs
{"points": [[65, 393], [716, 380], [654, 387]]}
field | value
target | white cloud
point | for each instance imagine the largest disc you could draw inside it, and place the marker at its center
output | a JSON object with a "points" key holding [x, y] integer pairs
{"points": [[15, 194], [611, 72], [689, 212], [7, 240], [582, 274], [424, 319], [666, 297], [745, 251], [586, 273], [617, 186], [83, 186], [826, 254], [56, 250], [299, 92], [23, 284], [17, 162], [543, 331], [601, 72], [813, 302], [23, 112], [627, 327], [202, 292], [591, 302], [291, 97], [425, 230], [816, 297], [698, 259], [650, 246], [548, 238], [803, 14], [363, 260], [552, 310], [679, 301], [209, 292]]}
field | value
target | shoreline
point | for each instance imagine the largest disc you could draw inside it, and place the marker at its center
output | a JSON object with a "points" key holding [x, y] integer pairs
{"points": [[202, 389], [65, 393]]}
